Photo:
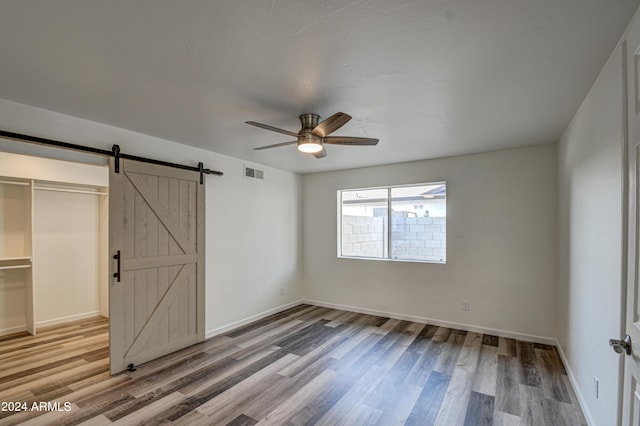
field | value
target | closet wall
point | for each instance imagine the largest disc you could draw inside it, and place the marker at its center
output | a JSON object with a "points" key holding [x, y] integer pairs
{"points": [[57, 220], [16, 297], [66, 244]]}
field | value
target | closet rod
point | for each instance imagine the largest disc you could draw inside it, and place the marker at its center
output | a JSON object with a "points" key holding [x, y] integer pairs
{"points": [[74, 191], [15, 267], [113, 153], [13, 182]]}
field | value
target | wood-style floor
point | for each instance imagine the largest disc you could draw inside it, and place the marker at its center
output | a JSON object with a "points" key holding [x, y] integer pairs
{"points": [[307, 365]]}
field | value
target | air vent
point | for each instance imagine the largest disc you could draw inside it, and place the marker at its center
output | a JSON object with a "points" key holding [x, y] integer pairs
{"points": [[250, 172]]}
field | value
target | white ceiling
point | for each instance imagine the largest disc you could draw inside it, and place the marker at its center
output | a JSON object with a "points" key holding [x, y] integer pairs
{"points": [[429, 78]]}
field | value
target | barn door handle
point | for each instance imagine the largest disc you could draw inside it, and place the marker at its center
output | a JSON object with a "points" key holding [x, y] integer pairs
{"points": [[117, 273]]}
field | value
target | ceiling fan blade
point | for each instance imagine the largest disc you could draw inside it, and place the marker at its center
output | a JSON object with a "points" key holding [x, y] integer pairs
{"points": [[320, 154], [275, 145], [331, 124], [273, 129], [349, 140]]}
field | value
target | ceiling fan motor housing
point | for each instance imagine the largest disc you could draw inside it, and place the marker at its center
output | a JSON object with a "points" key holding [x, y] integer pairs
{"points": [[309, 122], [307, 141]]}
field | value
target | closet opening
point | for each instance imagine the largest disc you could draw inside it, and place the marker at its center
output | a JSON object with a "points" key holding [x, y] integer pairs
{"points": [[54, 260]]}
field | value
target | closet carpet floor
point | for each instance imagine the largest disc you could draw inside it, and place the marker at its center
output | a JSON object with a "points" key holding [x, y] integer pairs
{"points": [[304, 366]]}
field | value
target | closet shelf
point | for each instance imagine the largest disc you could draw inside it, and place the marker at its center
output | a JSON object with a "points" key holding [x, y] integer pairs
{"points": [[15, 262], [14, 182]]}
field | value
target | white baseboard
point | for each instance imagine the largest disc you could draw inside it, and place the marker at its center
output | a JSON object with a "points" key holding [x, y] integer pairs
{"points": [[13, 330], [69, 318], [47, 323], [460, 326], [223, 329], [574, 384]]}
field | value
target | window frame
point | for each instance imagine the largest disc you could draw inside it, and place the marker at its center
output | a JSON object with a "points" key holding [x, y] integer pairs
{"points": [[389, 226]]}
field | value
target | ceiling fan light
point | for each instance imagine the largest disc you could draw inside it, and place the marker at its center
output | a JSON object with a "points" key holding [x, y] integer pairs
{"points": [[309, 146]]}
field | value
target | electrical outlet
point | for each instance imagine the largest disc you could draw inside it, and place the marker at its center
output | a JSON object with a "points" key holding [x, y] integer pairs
{"points": [[282, 291], [466, 305]]}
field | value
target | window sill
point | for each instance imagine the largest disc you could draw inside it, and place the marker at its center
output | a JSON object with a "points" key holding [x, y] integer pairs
{"points": [[384, 259]]}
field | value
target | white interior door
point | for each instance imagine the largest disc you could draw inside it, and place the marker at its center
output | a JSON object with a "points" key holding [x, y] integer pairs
{"points": [[156, 297], [631, 389]]}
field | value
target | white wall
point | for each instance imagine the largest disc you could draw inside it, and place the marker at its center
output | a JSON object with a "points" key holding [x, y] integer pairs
{"points": [[501, 243], [12, 301], [254, 247], [13, 211], [250, 252], [590, 240], [66, 254]]}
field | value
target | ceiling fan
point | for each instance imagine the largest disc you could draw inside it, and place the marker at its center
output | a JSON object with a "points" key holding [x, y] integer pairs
{"points": [[312, 136]]}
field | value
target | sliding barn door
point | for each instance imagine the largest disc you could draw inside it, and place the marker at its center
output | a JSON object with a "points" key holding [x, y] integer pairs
{"points": [[156, 298]]}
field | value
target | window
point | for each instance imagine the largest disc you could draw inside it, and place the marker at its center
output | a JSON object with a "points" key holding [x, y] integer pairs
{"points": [[396, 223]]}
